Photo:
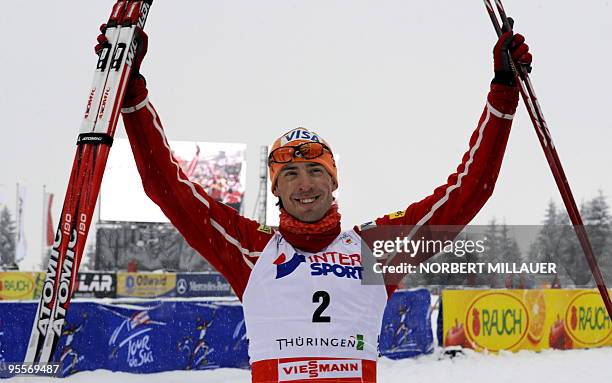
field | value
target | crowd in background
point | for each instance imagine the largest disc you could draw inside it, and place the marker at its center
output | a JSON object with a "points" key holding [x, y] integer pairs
{"points": [[218, 174]]}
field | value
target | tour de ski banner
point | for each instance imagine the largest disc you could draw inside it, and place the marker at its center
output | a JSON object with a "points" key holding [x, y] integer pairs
{"points": [[406, 329], [18, 285], [158, 335], [514, 320], [143, 337], [146, 285]]}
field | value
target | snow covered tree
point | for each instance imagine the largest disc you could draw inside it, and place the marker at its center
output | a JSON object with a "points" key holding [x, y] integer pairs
{"points": [[596, 217], [508, 247], [500, 247], [571, 256], [549, 238], [492, 242], [492, 253], [511, 253], [598, 224], [7, 238]]}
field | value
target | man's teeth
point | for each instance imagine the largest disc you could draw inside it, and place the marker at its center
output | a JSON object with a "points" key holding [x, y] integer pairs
{"points": [[307, 200]]}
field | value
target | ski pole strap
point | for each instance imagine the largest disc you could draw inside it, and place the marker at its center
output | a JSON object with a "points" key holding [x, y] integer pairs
{"points": [[95, 138]]}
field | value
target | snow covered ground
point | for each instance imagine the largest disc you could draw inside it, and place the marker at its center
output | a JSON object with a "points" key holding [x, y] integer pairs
{"points": [[526, 367]]}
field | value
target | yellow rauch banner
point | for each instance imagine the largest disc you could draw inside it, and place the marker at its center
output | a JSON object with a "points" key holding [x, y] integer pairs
{"points": [[145, 285], [587, 320], [525, 319], [17, 285]]}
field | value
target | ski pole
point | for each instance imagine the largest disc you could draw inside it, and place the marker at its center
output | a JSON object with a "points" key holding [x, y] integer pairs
{"points": [[537, 118]]}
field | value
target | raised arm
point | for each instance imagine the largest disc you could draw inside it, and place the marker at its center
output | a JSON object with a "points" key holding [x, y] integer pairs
{"points": [[230, 242], [466, 190]]}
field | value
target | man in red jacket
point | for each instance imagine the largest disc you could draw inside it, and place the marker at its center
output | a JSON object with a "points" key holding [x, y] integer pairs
{"points": [[308, 316]]}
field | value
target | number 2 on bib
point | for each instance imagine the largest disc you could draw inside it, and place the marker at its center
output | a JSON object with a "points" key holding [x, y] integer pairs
{"points": [[323, 297]]}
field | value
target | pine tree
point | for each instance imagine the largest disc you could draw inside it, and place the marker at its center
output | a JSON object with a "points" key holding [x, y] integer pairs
{"points": [[492, 242], [549, 242], [508, 247], [470, 279], [549, 238], [508, 251], [7, 238], [598, 225], [492, 253], [571, 255]]}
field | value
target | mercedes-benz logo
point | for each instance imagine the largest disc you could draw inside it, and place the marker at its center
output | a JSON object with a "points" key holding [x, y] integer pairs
{"points": [[181, 286]]}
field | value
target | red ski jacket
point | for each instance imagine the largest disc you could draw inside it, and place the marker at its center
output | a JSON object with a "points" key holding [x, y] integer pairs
{"points": [[232, 243]]}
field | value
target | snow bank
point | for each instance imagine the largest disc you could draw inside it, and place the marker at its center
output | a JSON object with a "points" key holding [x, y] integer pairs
{"points": [[549, 366]]}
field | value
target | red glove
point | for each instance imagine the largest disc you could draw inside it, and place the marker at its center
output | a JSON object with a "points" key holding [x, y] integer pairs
{"points": [[509, 47], [143, 45], [136, 89]]}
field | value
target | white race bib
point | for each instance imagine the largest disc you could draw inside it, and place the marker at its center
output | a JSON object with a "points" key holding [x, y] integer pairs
{"points": [[299, 304]]}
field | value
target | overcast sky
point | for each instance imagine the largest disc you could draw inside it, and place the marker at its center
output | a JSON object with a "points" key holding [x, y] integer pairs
{"points": [[395, 86]]}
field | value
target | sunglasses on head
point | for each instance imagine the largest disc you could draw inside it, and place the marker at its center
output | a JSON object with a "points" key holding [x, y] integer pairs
{"points": [[307, 150]]}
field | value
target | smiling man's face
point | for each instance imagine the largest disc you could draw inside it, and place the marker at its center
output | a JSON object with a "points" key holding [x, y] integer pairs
{"points": [[305, 189]]}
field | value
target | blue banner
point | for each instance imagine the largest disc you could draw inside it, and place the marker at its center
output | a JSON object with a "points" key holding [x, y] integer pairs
{"points": [[158, 335], [406, 329], [16, 320]]}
